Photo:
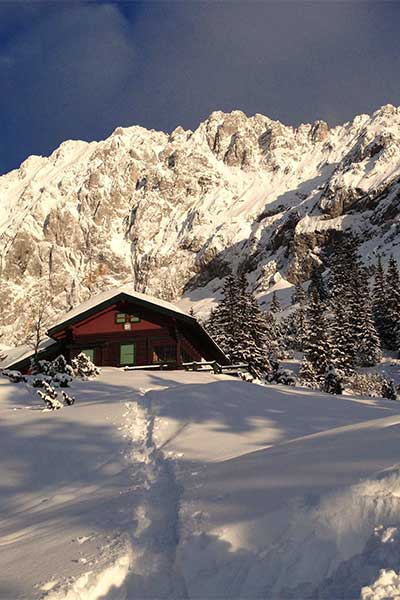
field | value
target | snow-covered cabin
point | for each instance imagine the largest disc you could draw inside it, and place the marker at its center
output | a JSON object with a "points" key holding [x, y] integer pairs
{"points": [[122, 327]]}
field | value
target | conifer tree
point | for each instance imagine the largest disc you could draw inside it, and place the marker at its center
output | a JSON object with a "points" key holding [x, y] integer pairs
{"points": [[317, 285], [307, 374], [274, 333], [299, 295], [240, 327], [392, 281], [379, 302], [254, 329], [345, 276], [295, 328], [224, 322], [318, 348], [275, 305], [332, 383], [368, 347], [389, 389]]}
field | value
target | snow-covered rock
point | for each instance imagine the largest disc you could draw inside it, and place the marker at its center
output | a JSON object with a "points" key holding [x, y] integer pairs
{"points": [[171, 212]]}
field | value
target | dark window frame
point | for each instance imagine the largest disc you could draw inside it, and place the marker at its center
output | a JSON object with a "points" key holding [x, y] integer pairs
{"points": [[160, 345], [127, 363]]}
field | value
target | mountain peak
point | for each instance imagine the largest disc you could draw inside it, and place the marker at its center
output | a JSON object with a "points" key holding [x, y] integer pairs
{"points": [[173, 212]]}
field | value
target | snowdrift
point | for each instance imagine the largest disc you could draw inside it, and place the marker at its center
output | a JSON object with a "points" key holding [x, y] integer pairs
{"points": [[191, 485]]}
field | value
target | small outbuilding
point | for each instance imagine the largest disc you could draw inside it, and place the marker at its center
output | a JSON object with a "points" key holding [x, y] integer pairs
{"points": [[122, 327]]}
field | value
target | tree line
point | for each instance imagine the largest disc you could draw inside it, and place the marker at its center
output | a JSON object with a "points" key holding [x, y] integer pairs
{"points": [[338, 324]]}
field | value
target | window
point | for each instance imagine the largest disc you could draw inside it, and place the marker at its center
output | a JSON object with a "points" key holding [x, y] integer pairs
{"points": [[127, 354], [122, 318], [89, 353], [164, 353]]}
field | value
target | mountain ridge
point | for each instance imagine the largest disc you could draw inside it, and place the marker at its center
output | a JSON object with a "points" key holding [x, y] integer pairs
{"points": [[172, 212]]}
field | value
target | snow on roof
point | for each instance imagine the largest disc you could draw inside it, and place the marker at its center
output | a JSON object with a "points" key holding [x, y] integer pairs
{"points": [[128, 290], [16, 355]]}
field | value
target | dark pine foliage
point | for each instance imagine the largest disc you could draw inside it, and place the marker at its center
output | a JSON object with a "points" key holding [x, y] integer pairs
{"points": [[239, 326]]}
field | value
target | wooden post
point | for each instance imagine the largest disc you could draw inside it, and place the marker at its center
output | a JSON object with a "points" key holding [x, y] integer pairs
{"points": [[177, 336]]}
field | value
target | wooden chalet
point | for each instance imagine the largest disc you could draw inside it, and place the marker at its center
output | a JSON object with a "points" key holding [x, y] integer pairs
{"points": [[124, 328]]}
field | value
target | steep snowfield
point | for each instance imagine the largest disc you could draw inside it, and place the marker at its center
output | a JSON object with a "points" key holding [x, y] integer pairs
{"points": [[170, 213], [191, 485]]}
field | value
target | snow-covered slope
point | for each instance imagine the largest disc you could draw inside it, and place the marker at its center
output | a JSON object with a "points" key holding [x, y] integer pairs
{"points": [[171, 212], [192, 485]]}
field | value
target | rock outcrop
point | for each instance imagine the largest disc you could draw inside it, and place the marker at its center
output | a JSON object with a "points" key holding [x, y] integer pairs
{"points": [[172, 212]]}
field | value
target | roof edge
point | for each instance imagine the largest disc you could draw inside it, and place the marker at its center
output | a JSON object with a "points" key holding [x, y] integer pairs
{"points": [[123, 295]]}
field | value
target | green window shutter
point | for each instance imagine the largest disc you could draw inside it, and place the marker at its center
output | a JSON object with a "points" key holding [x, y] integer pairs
{"points": [[89, 353], [120, 318], [134, 319], [127, 354]]}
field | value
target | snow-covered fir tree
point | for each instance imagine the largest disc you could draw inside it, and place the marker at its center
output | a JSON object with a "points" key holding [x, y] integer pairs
{"points": [[368, 346], [308, 375], [386, 304], [224, 323], [379, 302], [68, 400], [299, 295], [389, 390], [83, 366], [275, 334], [332, 383], [317, 285], [49, 397], [392, 313], [240, 327], [353, 332], [317, 345], [256, 334], [344, 274], [294, 329], [275, 305]]}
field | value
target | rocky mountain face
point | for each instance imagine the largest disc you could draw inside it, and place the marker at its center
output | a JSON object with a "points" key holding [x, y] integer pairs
{"points": [[173, 212]]}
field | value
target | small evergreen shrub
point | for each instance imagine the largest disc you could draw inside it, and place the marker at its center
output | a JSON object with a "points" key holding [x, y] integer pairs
{"points": [[365, 384], [62, 379], [83, 367], [389, 390], [333, 381], [38, 381], [307, 375], [68, 400], [285, 377], [49, 397]]}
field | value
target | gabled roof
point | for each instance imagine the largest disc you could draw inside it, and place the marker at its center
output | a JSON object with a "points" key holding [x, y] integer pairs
{"points": [[127, 292], [20, 356], [104, 299]]}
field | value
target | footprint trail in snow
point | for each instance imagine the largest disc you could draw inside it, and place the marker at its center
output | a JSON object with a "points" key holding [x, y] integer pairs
{"points": [[154, 537]]}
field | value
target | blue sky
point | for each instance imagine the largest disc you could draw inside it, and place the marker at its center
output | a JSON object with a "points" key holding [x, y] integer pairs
{"points": [[79, 69]]}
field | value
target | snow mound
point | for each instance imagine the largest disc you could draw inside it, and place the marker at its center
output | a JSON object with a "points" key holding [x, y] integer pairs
{"points": [[93, 586], [316, 547]]}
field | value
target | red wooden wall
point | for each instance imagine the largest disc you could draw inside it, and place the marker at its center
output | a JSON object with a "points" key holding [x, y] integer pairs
{"points": [[101, 332]]}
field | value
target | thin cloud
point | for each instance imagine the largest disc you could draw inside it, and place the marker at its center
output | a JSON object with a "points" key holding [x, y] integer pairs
{"points": [[79, 69]]}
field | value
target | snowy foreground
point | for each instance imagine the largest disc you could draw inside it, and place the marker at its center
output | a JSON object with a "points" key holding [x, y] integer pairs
{"points": [[191, 485]]}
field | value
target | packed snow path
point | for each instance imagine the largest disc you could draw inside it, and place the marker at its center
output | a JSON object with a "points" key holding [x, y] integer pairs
{"points": [[154, 539], [190, 485]]}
